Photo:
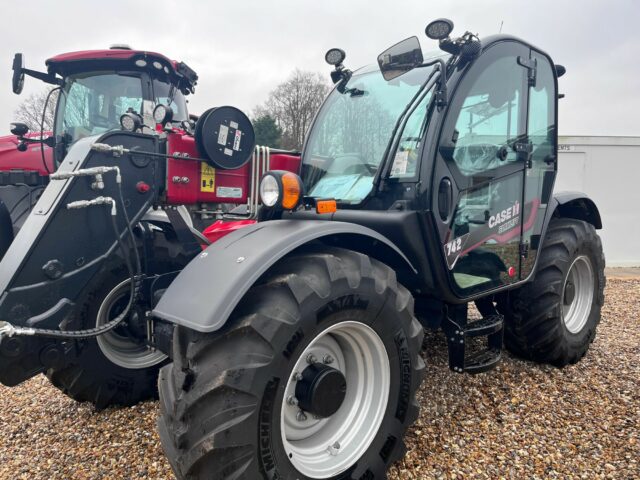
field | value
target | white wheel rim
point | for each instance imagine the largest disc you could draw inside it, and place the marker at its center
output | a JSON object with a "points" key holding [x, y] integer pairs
{"points": [[576, 306], [323, 448], [120, 349]]}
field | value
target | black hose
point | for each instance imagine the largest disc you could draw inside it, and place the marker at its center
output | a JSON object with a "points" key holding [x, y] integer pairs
{"points": [[134, 283]]}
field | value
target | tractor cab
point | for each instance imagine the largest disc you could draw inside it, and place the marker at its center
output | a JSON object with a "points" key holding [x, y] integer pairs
{"points": [[97, 87]]}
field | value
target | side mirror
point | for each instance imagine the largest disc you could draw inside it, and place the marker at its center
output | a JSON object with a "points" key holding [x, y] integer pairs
{"points": [[18, 74], [401, 58], [19, 129]]}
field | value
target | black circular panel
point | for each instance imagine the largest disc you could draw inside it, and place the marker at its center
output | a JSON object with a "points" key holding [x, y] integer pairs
{"points": [[321, 390], [225, 137]]}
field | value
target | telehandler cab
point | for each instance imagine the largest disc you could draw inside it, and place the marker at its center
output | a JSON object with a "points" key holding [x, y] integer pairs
{"points": [[426, 183]]}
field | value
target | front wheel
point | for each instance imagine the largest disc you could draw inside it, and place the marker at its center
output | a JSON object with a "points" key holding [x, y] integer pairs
{"points": [[314, 376]]}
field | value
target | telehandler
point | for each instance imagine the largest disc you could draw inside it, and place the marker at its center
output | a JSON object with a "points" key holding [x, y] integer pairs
{"points": [[425, 184]]}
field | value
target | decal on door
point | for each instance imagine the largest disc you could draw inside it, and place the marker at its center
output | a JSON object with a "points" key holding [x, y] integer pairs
{"points": [[500, 228], [454, 248]]}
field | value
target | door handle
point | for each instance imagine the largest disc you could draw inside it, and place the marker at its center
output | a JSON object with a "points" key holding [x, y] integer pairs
{"points": [[445, 198]]}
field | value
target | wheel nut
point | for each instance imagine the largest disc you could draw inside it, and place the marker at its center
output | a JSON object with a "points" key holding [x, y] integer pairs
{"points": [[292, 400], [327, 359], [311, 359], [301, 416], [334, 449], [297, 377]]}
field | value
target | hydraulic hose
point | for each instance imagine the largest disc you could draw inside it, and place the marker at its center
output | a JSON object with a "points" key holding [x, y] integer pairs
{"points": [[135, 276]]}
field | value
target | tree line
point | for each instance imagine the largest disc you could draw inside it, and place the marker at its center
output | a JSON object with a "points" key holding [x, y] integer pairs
{"points": [[282, 121]]}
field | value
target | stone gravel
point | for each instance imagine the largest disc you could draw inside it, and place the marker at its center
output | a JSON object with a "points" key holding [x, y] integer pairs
{"points": [[519, 421]]}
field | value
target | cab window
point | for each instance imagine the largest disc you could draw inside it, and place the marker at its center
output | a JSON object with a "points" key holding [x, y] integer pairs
{"points": [[489, 119]]}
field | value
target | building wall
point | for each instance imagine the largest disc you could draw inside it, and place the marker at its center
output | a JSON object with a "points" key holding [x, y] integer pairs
{"points": [[608, 170]]}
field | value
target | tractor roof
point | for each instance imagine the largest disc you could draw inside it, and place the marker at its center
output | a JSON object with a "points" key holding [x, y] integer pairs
{"points": [[122, 57]]}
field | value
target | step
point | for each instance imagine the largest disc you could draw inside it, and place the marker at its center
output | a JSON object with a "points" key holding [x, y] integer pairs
{"points": [[484, 327], [482, 361]]}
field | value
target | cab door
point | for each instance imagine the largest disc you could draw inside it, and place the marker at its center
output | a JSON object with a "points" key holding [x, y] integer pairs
{"points": [[480, 169]]}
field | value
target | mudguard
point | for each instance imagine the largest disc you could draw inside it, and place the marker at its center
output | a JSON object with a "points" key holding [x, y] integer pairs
{"points": [[575, 205], [205, 293]]}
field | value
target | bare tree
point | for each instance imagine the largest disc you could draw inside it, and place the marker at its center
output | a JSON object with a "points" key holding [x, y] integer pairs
{"points": [[30, 110], [293, 104]]}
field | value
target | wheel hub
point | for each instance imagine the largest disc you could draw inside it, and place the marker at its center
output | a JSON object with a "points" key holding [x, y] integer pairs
{"points": [[321, 390]]}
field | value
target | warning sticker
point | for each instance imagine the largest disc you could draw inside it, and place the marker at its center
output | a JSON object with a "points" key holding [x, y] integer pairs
{"points": [[236, 141], [400, 163], [229, 192], [228, 151], [234, 125], [223, 133], [207, 178]]}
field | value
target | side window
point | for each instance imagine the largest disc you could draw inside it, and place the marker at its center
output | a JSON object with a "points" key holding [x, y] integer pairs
{"points": [[489, 118], [542, 135], [405, 160]]}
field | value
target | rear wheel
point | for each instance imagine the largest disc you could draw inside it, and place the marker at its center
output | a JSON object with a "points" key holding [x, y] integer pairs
{"points": [[553, 318], [117, 368], [314, 376]]}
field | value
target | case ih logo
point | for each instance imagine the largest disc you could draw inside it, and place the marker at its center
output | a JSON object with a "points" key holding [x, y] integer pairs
{"points": [[504, 215]]}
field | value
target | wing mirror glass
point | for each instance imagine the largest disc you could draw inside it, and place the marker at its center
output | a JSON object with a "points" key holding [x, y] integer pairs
{"points": [[401, 58], [17, 82]]}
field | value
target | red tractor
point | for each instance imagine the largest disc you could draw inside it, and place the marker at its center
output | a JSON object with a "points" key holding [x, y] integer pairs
{"points": [[425, 185], [103, 91]]}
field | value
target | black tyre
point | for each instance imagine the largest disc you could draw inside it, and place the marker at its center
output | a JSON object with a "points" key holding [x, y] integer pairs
{"points": [[553, 318], [116, 368], [280, 391]]}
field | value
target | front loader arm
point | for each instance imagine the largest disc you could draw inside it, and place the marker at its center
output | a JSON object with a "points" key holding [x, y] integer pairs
{"points": [[67, 239]]}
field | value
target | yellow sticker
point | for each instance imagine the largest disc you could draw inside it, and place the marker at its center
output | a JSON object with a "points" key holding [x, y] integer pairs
{"points": [[207, 178]]}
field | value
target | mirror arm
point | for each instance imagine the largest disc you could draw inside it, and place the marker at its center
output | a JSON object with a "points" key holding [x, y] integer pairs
{"points": [[45, 77], [441, 93]]}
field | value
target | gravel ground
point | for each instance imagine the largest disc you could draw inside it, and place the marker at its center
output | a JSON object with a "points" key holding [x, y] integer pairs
{"points": [[518, 421]]}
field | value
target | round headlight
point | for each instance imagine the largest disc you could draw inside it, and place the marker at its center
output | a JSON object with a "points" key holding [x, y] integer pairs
{"points": [[269, 191], [162, 114], [439, 29], [130, 121], [335, 56]]}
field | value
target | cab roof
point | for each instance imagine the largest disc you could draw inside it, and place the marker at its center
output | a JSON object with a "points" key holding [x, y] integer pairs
{"points": [[123, 58]]}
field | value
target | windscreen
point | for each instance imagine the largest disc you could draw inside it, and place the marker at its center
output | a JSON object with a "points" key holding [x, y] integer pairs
{"points": [[92, 103], [347, 142]]}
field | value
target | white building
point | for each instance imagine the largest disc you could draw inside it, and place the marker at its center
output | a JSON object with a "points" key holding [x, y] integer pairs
{"points": [[607, 169]]}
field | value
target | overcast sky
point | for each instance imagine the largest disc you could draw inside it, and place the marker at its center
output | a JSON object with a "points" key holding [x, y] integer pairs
{"points": [[243, 49]]}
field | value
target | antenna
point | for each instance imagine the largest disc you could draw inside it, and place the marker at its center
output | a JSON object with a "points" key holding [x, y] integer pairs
{"points": [[501, 24]]}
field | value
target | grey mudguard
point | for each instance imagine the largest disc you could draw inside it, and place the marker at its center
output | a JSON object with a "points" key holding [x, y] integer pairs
{"points": [[205, 293]]}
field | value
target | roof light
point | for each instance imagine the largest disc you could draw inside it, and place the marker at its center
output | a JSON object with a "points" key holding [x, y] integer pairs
{"points": [[335, 56], [141, 63], [439, 29], [120, 46]]}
